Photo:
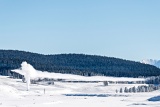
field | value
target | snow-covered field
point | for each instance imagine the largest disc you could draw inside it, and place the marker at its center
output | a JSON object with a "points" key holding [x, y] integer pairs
{"points": [[62, 94], [13, 92]]}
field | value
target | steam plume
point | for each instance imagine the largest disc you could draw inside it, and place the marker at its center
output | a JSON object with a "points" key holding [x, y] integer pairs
{"points": [[28, 72]]}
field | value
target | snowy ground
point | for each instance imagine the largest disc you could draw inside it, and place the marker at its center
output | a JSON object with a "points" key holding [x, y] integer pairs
{"points": [[13, 94]]}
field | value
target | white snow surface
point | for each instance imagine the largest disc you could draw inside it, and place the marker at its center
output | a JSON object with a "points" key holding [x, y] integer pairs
{"points": [[13, 94], [41, 74]]}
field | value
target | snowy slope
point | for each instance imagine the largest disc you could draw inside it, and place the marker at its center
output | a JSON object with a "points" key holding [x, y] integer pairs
{"points": [[151, 62]]}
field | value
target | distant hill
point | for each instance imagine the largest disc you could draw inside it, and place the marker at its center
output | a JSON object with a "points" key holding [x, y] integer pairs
{"points": [[151, 62], [79, 64]]}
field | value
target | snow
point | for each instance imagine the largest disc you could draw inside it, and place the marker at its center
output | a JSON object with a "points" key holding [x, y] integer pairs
{"points": [[82, 78], [28, 69], [13, 94]]}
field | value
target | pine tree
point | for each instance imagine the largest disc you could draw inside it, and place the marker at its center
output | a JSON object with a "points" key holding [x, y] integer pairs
{"points": [[126, 90], [130, 90], [121, 90], [105, 83], [134, 89]]}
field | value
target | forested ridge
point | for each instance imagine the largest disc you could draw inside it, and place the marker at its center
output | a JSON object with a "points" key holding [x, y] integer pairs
{"points": [[79, 64]]}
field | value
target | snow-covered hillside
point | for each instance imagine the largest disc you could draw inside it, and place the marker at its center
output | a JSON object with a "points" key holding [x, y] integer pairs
{"points": [[151, 62]]}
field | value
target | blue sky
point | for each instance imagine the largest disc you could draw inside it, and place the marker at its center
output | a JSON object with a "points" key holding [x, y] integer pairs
{"points": [[128, 29]]}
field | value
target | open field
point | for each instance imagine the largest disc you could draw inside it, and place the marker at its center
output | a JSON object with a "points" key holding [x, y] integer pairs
{"points": [[13, 94]]}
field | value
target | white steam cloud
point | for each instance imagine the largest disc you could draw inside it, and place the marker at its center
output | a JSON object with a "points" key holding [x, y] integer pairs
{"points": [[28, 71]]}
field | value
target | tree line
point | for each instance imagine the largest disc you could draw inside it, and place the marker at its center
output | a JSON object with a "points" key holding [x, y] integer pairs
{"points": [[142, 88], [79, 64]]}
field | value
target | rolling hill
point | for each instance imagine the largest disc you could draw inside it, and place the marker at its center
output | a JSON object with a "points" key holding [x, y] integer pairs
{"points": [[79, 64]]}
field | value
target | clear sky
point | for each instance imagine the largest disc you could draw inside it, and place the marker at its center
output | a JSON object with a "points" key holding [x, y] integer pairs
{"points": [[128, 29]]}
